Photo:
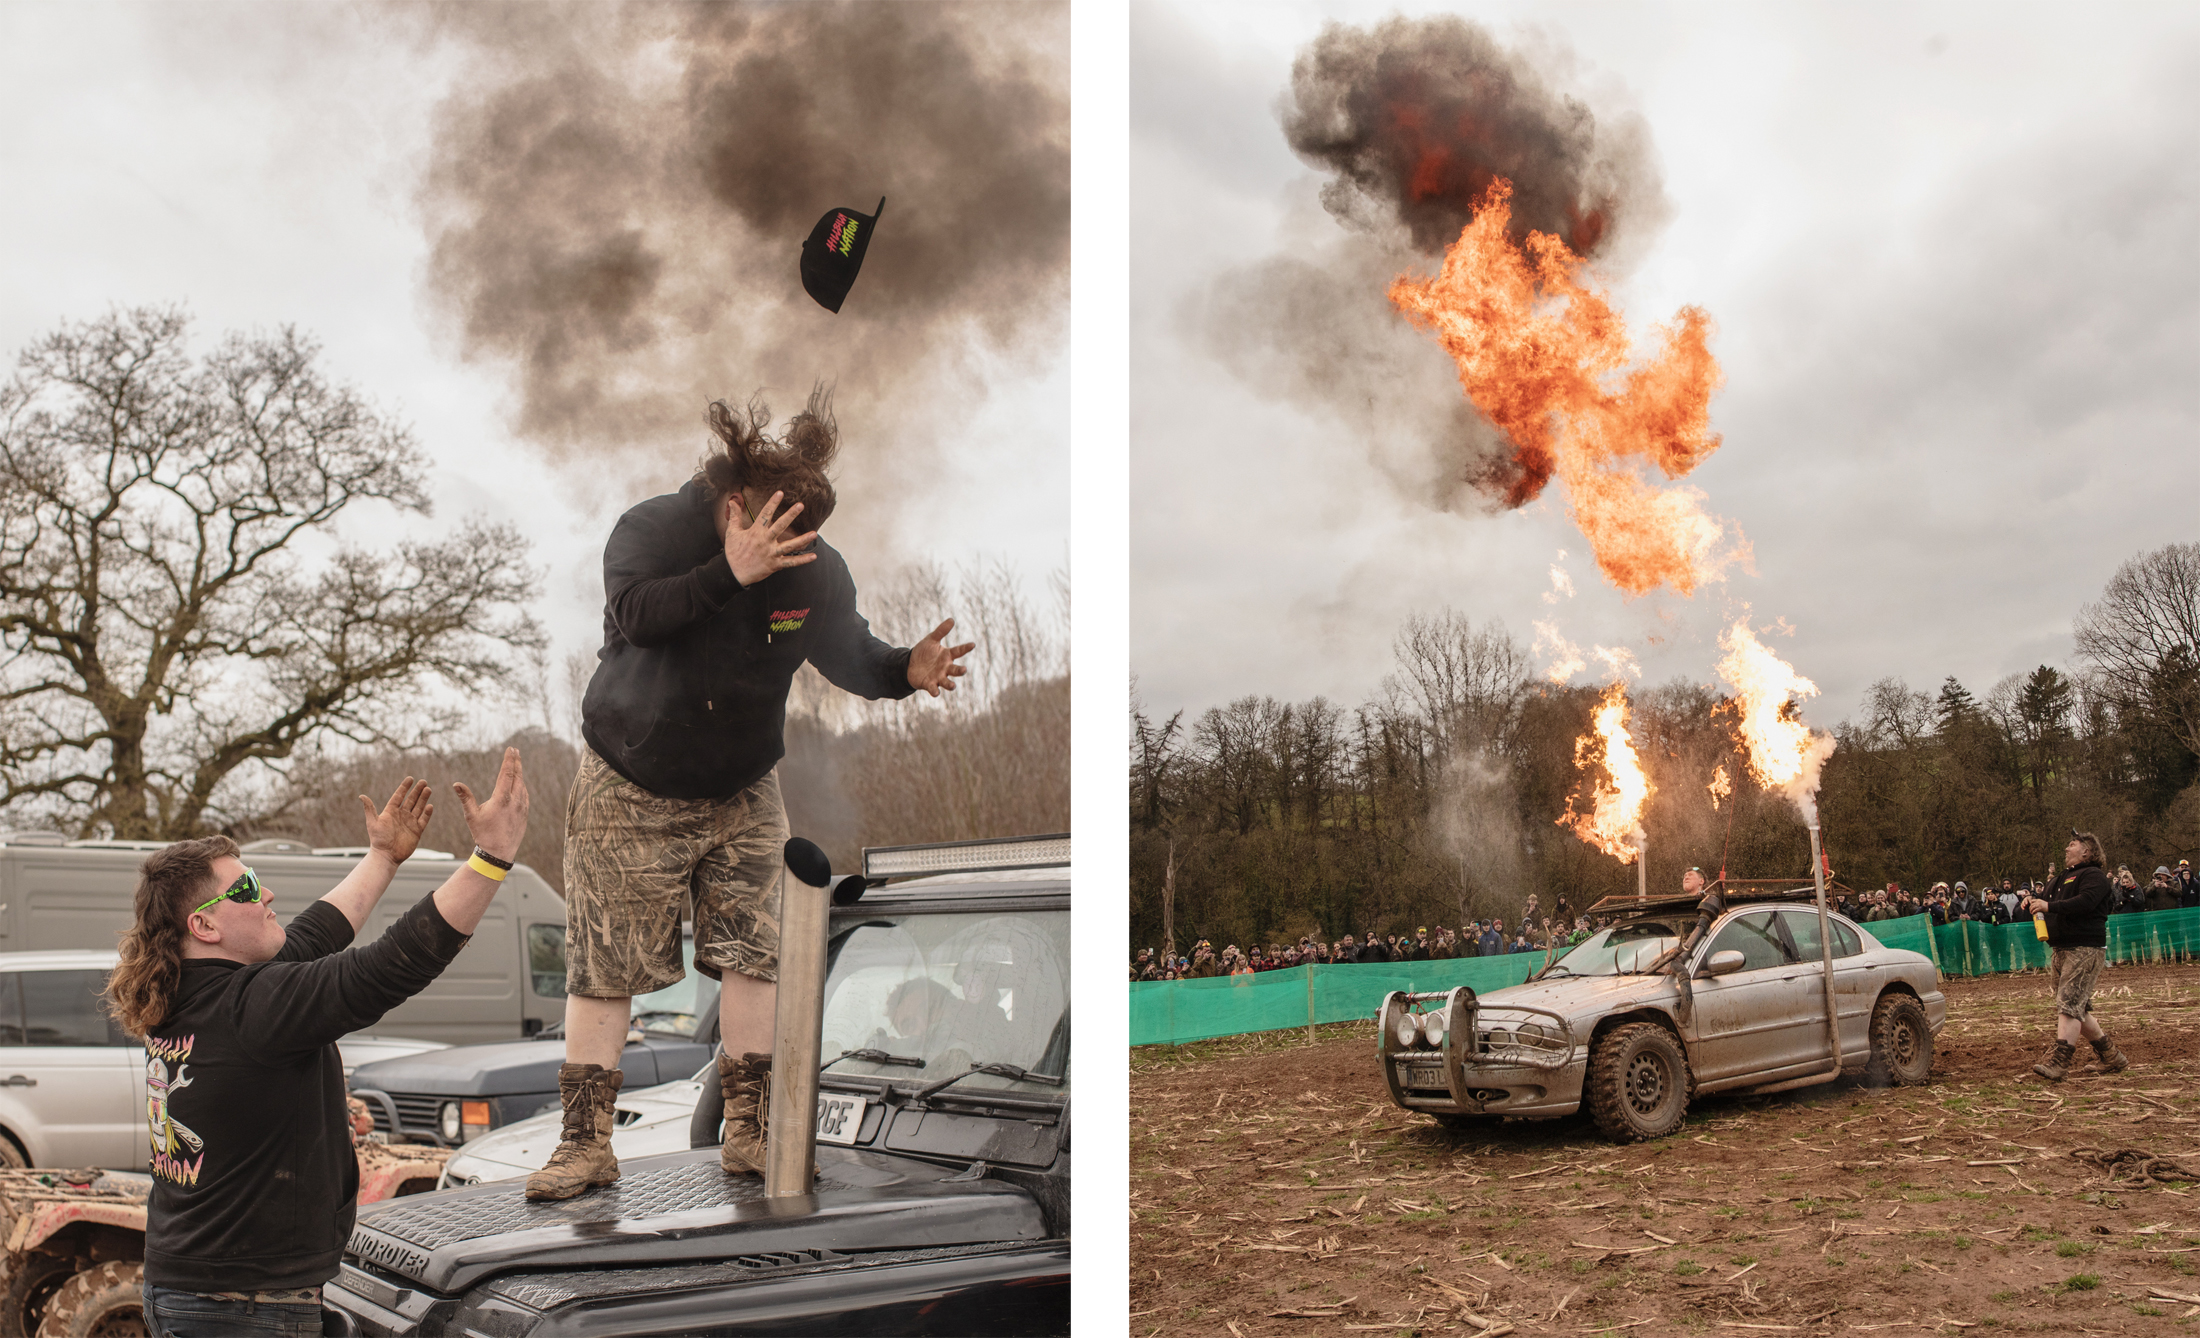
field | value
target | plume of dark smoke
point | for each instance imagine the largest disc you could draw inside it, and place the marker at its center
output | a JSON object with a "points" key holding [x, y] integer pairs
{"points": [[618, 194], [1411, 119], [1415, 117]]}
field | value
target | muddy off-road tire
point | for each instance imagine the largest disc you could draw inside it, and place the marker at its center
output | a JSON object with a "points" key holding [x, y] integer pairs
{"points": [[1638, 1082], [104, 1301], [1902, 1042], [26, 1284]]}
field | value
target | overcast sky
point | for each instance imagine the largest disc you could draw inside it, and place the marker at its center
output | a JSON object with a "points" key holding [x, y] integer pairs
{"points": [[1953, 257], [260, 162]]}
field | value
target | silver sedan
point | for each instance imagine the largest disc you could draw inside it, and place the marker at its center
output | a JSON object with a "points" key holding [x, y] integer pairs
{"points": [[1637, 1026]]}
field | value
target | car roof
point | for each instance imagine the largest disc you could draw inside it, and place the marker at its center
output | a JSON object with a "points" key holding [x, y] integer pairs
{"points": [[1737, 894], [998, 889], [66, 959]]}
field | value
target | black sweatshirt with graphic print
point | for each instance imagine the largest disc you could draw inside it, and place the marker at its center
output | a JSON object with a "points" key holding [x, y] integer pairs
{"points": [[689, 699], [2077, 908], [255, 1184]]}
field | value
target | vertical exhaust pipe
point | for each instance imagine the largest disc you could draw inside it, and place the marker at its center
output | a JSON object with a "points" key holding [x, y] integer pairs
{"points": [[1825, 949], [1642, 866], [805, 906]]}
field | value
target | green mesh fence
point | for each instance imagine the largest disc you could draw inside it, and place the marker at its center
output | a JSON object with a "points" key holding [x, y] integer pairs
{"points": [[1171, 1012]]}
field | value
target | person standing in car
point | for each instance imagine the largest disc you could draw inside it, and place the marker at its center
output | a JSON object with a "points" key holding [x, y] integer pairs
{"points": [[713, 597]]}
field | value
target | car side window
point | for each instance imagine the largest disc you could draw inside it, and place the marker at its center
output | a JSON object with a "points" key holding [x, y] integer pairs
{"points": [[1754, 937], [546, 959], [11, 1009], [1802, 927], [63, 1008]]}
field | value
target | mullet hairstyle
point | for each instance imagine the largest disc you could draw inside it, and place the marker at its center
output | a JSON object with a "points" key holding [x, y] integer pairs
{"points": [[793, 463], [2092, 844], [143, 986]]}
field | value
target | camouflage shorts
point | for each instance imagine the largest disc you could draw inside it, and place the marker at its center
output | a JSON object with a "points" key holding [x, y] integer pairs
{"points": [[631, 860], [2074, 971]]}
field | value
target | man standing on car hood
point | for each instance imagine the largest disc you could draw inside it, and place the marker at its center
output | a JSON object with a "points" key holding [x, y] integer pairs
{"points": [[713, 597], [254, 1179], [2076, 907]]}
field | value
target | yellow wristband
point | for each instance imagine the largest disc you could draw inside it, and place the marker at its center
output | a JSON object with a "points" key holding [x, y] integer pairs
{"points": [[485, 869]]}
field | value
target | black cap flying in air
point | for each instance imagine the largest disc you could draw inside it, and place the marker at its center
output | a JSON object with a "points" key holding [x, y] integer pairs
{"points": [[834, 252]]}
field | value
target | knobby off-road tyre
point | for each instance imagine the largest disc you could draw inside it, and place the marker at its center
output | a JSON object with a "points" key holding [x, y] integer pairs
{"points": [[1902, 1042], [27, 1282], [104, 1301], [1638, 1082]]}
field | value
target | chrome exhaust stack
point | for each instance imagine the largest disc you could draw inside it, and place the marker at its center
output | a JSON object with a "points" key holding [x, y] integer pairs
{"points": [[805, 912]]}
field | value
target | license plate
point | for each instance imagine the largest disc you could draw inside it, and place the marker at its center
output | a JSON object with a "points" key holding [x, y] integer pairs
{"points": [[1424, 1075], [839, 1117]]}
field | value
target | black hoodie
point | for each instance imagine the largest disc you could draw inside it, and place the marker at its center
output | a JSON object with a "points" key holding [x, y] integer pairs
{"points": [[2077, 908], [255, 1183], [689, 699]]}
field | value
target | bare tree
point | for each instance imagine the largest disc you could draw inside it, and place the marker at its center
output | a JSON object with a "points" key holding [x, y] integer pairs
{"points": [[2142, 637], [159, 627]]}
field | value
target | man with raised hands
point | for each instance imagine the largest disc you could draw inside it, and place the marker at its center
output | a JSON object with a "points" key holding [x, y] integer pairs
{"points": [[254, 1180]]}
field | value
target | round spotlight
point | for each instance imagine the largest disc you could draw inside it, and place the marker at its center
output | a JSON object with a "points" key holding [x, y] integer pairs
{"points": [[1432, 1029], [1406, 1031]]}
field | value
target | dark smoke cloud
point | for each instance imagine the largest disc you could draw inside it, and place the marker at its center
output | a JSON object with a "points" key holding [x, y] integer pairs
{"points": [[618, 195], [1412, 119], [1415, 117]]}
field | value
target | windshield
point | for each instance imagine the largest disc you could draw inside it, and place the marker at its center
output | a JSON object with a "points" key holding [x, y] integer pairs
{"points": [[672, 1009], [1619, 951], [952, 991]]}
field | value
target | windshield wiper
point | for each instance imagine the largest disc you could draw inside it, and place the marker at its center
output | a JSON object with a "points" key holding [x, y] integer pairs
{"points": [[1009, 1071], [873, 1057]]}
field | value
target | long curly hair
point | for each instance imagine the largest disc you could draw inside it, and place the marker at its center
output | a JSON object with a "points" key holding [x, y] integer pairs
{"points": [[794, 462], [143, 986]]}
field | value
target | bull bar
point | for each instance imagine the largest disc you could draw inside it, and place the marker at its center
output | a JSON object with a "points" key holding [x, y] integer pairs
{"points": [[1475, 1038]]}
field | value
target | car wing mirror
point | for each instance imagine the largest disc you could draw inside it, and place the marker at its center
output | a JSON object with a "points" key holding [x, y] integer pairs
{"points": [[1720, 963]]}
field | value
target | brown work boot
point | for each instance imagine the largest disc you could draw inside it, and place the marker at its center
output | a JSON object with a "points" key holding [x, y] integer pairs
{"points": [[2057, 1064], [590, 1094], [2112, 1059], [746, 1083]]}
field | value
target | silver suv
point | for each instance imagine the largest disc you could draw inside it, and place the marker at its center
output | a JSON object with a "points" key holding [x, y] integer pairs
{"points": [[72, 1086]]}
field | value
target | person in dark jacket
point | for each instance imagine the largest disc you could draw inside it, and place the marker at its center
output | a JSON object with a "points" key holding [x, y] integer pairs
{"points": [[2161, 896], [255, 1183], [714, 596], [2076, 906]]}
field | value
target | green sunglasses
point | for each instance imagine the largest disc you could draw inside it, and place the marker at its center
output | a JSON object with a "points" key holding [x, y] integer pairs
{"points": [[246, 890]]}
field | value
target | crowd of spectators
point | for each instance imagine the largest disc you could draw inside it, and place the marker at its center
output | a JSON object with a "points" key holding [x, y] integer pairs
{"points": [[2167, 889], [1534, 932]]}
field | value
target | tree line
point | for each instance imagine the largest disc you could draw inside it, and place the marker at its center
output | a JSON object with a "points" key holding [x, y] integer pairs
{"points": [[188, 646], [1436, 800]]}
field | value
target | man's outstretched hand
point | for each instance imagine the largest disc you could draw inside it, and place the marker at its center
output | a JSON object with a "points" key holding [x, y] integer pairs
{"points": [[498, 824], [932, 666], [395, 831]]}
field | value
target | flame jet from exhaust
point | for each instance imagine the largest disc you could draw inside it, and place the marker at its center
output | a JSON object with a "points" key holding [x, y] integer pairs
{"points": [[1784, 754], [1613, 820], [1537, 346]]}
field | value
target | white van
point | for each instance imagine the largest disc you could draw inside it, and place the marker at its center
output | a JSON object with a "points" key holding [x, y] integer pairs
{"points": [[59, 894]]}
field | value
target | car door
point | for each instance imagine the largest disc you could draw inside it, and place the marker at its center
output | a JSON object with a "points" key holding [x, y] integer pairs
{"points": [[71, 1075], [1854, 990], [1749, 1021]]}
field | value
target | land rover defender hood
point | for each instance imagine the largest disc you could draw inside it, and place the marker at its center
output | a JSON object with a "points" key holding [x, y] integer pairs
{"points": [[682, 1206]]}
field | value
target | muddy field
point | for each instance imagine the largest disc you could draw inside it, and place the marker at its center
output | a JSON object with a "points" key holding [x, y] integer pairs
{"points": [[1275, 1190]]}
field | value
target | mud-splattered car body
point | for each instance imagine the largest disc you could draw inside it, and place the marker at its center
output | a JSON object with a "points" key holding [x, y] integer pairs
{"points": [[1676, 998]]}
